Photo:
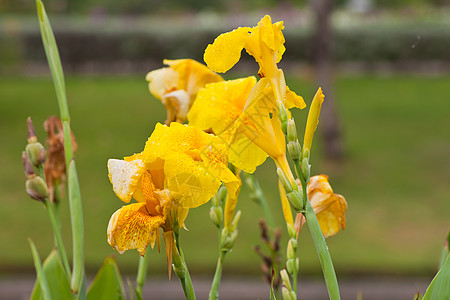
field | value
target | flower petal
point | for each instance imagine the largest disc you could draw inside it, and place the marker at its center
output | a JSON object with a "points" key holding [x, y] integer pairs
{"points": [[332, 220], [225, 52], [131, 227], [125, 176], [219, 104], [162, 81]]}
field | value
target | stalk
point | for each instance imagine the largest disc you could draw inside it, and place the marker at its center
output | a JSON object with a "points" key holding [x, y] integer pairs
{"points": [[51, 51], [180, 268], [214, 292], [257, 194], [142, 271]]}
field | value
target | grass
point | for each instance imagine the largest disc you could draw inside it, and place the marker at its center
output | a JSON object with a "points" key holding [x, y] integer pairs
{"points": [[394, 176]]}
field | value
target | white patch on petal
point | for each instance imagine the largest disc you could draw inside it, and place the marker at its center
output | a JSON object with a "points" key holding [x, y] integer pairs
{"points": [[124, 177]]}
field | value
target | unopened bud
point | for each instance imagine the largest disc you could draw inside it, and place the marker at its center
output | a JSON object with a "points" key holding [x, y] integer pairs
{"points": [[306, 168], [291, 230], [296, 200], [36, 153], [28, 168], [285, 278], [291, 266], [222, 194], [284, 180], [216, 213], [36, 188], [291, 131], [235, 221], [286, 293], [229, 240], [282, 114], [294, 149], [291, 249], [31, 133]]}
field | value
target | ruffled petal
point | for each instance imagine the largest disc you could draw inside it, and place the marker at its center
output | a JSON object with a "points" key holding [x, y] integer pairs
{"points": [[226, 50], [219, 105], [131, 227], [125, 176], [293, 100], [162, 81], [332, 220]]}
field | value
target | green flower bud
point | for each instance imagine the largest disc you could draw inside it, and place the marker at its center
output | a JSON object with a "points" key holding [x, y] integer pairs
{"points": [[36, 153], [306, 168], [235, 221], [291, 230], [294, 149], [216, 213], [291, 131], [291, 266], [296, 200], [285, 278], [222, 194], [284, 180], [36, 188], [282, 114], [291, 249], [286, 294]]}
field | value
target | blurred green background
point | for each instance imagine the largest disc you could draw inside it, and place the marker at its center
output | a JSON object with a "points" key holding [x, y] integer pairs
{"points": [[391, 85]]}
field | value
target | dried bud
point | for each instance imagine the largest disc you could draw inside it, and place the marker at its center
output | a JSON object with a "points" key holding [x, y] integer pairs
{"points": [[29, 171], [36, 188], [264, 233], [31, 133]]}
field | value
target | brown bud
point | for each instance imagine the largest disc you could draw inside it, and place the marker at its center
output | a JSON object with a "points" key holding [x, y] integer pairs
{"points": [[264, 233], [28, 168], [31, 133]]}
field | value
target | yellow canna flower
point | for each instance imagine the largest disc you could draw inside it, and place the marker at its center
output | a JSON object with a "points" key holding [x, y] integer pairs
{"points": [[330, 208], [265, 42], [177, 85], [181, 167], [313, 119], [243, 114]]}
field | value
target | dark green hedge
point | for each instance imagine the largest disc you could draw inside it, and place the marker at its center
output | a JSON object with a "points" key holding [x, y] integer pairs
{"points": [[368, 44]]}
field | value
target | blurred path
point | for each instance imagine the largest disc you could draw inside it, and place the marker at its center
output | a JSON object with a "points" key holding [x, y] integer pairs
{"points": [[19, 288]]}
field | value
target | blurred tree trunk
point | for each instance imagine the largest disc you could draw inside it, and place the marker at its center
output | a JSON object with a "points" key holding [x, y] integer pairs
{"points": [[329, 121]]}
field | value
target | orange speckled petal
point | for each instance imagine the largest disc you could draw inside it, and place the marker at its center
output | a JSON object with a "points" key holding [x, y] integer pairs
{"points": [[131, 227], [226, 50], [124, 176], [219, 104]]}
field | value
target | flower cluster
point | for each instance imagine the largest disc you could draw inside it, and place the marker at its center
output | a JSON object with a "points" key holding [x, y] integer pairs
{"points": [[239, 122]]}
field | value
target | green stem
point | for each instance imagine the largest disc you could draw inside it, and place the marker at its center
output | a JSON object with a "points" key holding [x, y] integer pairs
{"points": [[214, 292], [322, 250], [142, 271], [58, 237], [76, 213], [258, 195], [180, 268]]}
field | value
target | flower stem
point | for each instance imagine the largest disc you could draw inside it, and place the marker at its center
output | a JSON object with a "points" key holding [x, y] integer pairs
{"points": [[58, 237], [322, 250], [76, 212], [180, 268], [214, 292], [142, 271]]}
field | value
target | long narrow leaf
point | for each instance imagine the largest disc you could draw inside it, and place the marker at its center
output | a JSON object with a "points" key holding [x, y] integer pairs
{"points": [[439, 288], [107, 284], [40, 273]]}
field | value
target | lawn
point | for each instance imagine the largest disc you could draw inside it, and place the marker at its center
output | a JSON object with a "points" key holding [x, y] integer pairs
{"points": [[394, 174]]}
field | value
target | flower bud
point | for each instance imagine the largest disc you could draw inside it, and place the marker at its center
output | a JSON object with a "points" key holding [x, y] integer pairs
{"points": [[216, 213], [286, 294], [36, 153], [36, 188], [285, 278], [291, 230], [31, 133], [294, 149], [284, 180], [296, 200], [235, 221], [29, 171], [291, 266], [222, 194], [291, 131], [282, 114], [306, 168], [291, 249]]}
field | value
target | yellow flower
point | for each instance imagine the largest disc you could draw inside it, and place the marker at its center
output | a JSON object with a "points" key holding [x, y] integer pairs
{"points": [[265, 42], [243, 114], [181, 167], [330, 208], [177, 85], [313, 119]]}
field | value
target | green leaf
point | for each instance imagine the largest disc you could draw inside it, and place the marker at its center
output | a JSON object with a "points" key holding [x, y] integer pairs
{"points": [[56, 279], [439, 288], [108, 283]]}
